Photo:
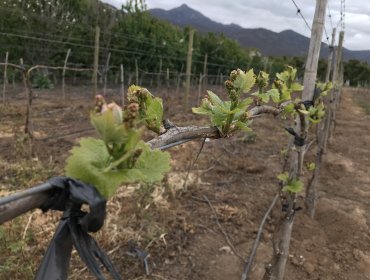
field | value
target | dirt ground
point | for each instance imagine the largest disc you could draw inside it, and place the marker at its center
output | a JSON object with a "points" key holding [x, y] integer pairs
{"points": [[174, 223]]}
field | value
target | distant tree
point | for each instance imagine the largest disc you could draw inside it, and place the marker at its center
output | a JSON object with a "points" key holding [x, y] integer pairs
{"points": [[357, 72]]}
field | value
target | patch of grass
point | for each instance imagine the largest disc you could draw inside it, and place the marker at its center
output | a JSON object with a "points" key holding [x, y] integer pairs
{"points": [[21, 168], [24, 174], [16, 259], [363, 100]]}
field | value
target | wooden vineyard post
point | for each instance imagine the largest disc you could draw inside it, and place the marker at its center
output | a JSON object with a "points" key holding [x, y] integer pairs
{"points": [[168, 79], [159, 74], [167, 91], [321, 139], [330, 58], [330, 110], [338, 58], [96, 61], [106, 74], [283, 230], [5, 82], [201, 77], [122, 85], [309, 80], [217, 79], [64, 74], [188, 68], [205, 82], [136, 72], [179, 79], [265, 63], [221, 80], [336, 86], [28, 88]]}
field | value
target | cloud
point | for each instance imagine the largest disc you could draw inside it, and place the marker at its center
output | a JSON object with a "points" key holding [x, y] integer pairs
{"points": [[278, 15]]}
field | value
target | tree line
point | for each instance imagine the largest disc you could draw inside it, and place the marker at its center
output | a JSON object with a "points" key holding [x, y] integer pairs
{"points": [[42, 31]]}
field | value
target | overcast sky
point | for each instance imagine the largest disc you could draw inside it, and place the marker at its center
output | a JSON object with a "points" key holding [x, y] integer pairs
{"points": [[279, 15]]}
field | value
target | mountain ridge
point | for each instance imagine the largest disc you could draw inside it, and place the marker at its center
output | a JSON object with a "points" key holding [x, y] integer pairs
{"points": [[270, 43]]}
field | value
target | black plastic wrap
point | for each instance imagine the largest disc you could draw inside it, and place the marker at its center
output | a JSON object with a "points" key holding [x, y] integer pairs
{"points": [[68, 195]]}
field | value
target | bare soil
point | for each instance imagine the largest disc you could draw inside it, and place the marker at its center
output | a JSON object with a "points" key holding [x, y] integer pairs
{"points": [[175, 223]]}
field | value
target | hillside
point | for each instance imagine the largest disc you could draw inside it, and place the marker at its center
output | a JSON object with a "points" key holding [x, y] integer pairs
{"points": [[285, 43]]}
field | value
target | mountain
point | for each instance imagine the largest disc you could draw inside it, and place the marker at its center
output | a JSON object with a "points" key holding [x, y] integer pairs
{"points": [[285, 43]]}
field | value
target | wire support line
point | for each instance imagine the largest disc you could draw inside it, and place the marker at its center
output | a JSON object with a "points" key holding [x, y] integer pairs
{"points": [[106, 48], [326, 35], [342, 15], [302, 16], [330, 17]]}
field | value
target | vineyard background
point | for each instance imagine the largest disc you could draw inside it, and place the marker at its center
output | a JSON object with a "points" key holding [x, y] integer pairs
{"points": [[177, 227], [181, 223]]}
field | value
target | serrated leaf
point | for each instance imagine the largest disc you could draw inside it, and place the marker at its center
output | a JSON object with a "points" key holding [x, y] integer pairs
{"points": [[324, 93], [275, 95], [201, 111], [325, 87], [215, 100], [296, 87], [108, 129], [245, 81], [243, 126], [152, 164], [265, 97], [283, 176], [218, 117], [289, 108], [154, 114], [283, 152], [311, 166], [133, 137], [284, 76], [285, 94], [314, 121], [304, 112], [90, 162], [293, 186], [245, 103], [87, 163]]}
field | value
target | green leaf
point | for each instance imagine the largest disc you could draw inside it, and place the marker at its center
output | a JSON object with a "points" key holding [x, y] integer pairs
{"points": [[245, 103], [91, 163], [201, 111], [296, 87], [245, 81], [154, 114], [324, 87], [243, 126], [311, 166], [218, 117], [287, 75], [293, 186], [152, 164], [283, 152], [284, 76], [275, 95], [304, 112], [215, 100], [283, 176], [133, 137], [285, 94], [105, 124], [87, 163], [314, 121], [316, 113], [265, 97], [289, 108]]}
